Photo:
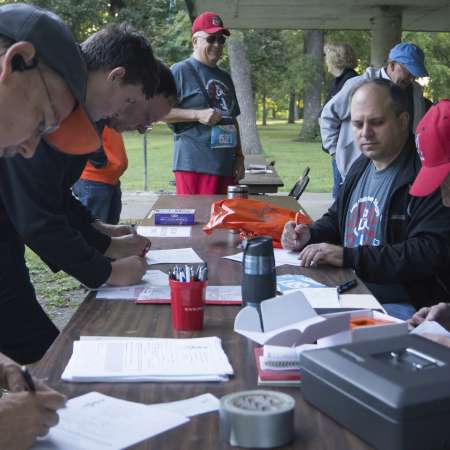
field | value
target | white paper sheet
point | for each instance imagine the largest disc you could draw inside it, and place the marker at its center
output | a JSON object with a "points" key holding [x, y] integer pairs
{"points": [[98, 422], [193, 406], [214, 294], [430, 327], [322, 297], [363, 301], [164, 231], [282, 257], [154, 359], [173, 256]]}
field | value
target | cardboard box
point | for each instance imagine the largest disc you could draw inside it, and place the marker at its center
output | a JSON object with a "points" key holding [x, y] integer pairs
{"points": [[287, 320]]}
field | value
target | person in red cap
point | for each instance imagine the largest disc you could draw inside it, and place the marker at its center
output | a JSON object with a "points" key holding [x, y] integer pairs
{"points": [[433, 145], [207, 153]]}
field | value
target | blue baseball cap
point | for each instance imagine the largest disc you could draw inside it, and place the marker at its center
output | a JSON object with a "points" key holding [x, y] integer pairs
{"points": [[411, 57]]}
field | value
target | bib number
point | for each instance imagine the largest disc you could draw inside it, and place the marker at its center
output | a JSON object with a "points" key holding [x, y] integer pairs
{"points": [[223, 136]]}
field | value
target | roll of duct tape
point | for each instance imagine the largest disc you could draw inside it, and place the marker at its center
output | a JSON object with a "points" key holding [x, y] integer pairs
{"points": [[257, 419]]}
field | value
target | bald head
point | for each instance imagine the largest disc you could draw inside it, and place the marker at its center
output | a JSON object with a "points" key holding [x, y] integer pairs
{"points": [[379, 121]]}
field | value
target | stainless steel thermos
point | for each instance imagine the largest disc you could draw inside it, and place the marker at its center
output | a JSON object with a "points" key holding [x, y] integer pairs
{"points": [[258, 271]]}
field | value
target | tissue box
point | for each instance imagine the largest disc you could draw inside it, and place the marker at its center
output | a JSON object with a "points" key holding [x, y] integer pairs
{"points": [[174, 216]]}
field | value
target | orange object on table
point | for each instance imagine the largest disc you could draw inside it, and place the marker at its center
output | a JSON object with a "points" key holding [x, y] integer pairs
{"points": [[253, 218], [365, 321]]}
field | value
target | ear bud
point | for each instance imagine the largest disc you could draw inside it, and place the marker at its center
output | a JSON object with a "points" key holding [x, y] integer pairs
{"points": [[18, 64]]}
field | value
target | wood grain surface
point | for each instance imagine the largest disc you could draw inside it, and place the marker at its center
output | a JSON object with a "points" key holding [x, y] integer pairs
{"points": [[314, 430]]}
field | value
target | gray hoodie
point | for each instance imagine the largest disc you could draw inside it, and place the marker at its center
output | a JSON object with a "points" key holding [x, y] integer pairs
{"points": [[335, 125]]}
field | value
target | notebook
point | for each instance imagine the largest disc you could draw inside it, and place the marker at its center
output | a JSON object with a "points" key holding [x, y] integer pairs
{"points": [[275, 376]]}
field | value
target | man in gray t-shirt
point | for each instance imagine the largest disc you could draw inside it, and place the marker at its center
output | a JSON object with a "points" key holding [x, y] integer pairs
{"points": [[207, 152], [364, 220], [397, 244]]}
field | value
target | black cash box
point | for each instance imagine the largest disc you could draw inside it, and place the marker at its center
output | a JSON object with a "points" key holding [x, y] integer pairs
{"points": [[393, 393]]}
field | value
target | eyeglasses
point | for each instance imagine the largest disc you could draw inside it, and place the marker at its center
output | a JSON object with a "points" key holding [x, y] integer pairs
{"points": [[50, 128], [215, 38]]}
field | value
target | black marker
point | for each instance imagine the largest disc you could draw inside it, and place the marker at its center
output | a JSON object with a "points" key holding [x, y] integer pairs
{"points": [[344, 287], [28, 379]]}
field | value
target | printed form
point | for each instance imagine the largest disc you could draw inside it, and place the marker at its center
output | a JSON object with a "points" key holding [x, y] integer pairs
{"points": [[98, 422]]}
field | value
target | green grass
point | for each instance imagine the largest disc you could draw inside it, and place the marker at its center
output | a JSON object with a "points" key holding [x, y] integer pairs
{"points": [[278, 141]]}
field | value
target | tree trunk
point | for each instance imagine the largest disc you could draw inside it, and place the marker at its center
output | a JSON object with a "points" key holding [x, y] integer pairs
{"points": [[264, 109], [292, 107], [240, 72], [313, 49]]}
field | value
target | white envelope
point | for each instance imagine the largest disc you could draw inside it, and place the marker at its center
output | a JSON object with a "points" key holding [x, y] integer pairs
{"points": [[288, 320]]}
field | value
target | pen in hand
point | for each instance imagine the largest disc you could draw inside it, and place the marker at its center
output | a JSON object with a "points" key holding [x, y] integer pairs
{"points": [[28, 379]]}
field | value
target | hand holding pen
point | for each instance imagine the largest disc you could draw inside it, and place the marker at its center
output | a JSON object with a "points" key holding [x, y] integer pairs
{"points": [[295, 235], [25, 413]]}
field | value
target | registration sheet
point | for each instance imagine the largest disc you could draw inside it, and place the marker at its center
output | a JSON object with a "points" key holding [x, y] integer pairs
{"points": [[164, 231], [150, 293], [98, 422], [282, 257], [173, 256], [148, 359]]}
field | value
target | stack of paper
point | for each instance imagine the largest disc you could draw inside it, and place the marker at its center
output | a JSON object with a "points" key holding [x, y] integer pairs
{"points": [[147, 359]]}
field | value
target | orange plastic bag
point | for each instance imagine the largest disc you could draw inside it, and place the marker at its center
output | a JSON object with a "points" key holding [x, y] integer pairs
{"points": [[252, 218]]}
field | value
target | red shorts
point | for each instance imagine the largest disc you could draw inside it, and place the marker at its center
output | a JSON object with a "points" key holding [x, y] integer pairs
{"points": [[193, 183]]}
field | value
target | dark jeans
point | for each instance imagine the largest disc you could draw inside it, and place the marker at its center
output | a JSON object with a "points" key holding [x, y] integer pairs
{"points": [[337, 179], [26, 332], [403, 311], [103, 200]]}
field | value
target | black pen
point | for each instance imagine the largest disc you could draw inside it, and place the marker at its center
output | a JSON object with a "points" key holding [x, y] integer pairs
{"points": [[28, 379], [344, 287]]}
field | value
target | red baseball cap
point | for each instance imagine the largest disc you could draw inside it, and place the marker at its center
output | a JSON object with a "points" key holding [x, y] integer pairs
{"points": [[209, 22], [433, 145]]}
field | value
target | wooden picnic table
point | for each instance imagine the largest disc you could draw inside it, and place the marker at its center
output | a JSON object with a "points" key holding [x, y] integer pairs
{"points": [[260, 183], [313, 430]]}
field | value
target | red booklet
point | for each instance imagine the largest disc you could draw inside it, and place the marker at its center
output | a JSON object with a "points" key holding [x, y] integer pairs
{"points": [[275, 377]]}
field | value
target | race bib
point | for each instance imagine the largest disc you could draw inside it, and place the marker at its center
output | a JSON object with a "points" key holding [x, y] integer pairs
{"points": [[223, 136]]}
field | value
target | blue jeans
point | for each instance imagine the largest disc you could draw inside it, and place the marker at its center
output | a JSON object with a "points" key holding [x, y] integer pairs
{"points": [[337, 179], [403, 311], [103, 200]]}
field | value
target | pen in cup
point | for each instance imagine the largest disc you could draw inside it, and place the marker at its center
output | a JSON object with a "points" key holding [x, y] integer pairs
{"points": [[28, 379]]}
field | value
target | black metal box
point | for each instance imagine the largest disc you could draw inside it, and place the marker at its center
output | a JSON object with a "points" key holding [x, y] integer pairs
{"points": [[393, 393]]}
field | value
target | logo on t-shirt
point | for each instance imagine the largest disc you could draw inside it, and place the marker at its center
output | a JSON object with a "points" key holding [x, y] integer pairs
{"points": [[221, 96], [362, 223]]}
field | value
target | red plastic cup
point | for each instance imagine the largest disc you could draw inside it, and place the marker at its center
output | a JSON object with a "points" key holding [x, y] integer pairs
{"points": [[188, 302]]}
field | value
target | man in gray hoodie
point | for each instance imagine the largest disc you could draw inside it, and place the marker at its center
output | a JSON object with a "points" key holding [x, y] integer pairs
{"points": [[405, 63]]}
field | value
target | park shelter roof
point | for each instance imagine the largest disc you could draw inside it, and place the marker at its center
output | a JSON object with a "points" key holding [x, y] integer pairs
{"points": [[417, 15]]}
